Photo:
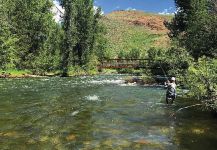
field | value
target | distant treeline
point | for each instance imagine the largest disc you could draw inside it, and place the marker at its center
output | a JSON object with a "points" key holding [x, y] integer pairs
{"points": [[31, 39]]}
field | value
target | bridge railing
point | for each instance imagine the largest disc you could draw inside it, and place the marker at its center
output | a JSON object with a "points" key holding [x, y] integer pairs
{"points": [[124, 63]]}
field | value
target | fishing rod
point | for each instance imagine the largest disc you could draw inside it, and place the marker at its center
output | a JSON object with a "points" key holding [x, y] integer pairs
{"points": [[165, 75], [164, 72]]}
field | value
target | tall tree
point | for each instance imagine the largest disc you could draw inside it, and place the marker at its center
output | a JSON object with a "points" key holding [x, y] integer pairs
{"points": [[194, 26], [99, 42], [30, 21], [201, 34], [179, 23], [49, 58], [8, 40], [84, 24], [70, 33]]}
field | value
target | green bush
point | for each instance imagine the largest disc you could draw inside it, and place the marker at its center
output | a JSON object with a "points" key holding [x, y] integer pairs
{"points": [[201, 78]]}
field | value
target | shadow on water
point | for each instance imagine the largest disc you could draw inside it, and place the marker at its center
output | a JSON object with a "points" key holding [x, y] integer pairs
{"points": [[99, 112]]}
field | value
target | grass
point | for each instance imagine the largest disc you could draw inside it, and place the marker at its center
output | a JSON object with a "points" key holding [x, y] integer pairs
{"points": [[15, 72], [125, 36], [24, 73]]}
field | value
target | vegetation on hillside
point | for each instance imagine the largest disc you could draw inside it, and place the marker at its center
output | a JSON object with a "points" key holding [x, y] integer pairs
{"points": [[129, 31]]}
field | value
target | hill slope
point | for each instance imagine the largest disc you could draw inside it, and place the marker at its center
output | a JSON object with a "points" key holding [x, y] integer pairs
{"points": [[127, 30]]}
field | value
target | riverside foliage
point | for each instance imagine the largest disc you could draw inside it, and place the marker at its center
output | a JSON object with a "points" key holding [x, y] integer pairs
{"points": [[31, 39], [192, 56], [193, 29]]}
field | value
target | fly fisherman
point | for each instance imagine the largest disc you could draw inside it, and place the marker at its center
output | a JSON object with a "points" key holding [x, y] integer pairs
{"points": [[171, 90]]}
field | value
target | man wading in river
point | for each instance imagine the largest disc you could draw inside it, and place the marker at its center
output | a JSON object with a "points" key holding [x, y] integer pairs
{"points": [[171, 90]]}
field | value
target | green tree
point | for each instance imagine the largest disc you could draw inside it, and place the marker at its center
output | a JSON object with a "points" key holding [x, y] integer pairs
{"points": [[30, 21], [8, 40], [49, 58], [202, 80], [85, 28], [70, 33], [134, 54], [194, 26], [201, 34], [83, 35], [179, 23], [98, 40]]}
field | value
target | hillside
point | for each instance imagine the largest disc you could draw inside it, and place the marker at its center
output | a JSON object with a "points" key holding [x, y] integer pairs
{"points": [[127, 30]]}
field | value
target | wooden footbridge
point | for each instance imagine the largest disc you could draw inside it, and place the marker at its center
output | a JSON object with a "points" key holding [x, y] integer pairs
{"points": [[124, 63]]}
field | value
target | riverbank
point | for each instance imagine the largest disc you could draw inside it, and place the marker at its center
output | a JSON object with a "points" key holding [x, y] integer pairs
{"points": [[16, 74], [20, 74], [73, 73], [131, 79], [145, 80]]}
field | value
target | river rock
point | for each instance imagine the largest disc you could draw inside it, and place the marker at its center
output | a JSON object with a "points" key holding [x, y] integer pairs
{"points": [[71, 137]]}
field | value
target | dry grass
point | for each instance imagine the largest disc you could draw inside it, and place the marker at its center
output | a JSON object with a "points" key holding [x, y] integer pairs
{"points": [[127, 30]]}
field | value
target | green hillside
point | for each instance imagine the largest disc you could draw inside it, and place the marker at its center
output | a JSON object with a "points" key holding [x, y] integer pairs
{"points": [[128, 30]]}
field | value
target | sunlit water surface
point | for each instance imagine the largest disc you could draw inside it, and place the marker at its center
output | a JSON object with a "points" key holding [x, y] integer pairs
{"points": [[99, 112]]}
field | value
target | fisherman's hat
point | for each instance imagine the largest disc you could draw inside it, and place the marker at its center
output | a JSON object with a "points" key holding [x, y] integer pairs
{"points": [[173, 78]]}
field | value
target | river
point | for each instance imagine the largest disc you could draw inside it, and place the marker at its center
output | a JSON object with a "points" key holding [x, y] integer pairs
{"points": [[99, 113]]}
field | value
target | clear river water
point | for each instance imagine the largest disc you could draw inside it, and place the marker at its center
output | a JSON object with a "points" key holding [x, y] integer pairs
{"points": [[98, 113]]}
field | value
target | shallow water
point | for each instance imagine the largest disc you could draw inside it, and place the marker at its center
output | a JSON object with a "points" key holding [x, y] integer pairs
{"points": [[99, 112]]}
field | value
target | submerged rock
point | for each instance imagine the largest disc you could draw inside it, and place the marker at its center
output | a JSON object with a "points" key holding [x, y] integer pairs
{"points": [[55, 140], [143, 142], [44, 138], [11, 134], [31, 141], [134, 80], [148, 143], [197, 131], [71, 137]]}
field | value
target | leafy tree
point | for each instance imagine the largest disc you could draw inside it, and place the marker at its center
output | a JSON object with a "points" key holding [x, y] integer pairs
{"points": [[8, 40], [30, 21], [179, 23], [134, 54], [84, 23], [194, 26], [70, 33], [49, 58], [100, 48], [83, 34], [30, 39], [98, 40], [200, 38], [202, 78]]}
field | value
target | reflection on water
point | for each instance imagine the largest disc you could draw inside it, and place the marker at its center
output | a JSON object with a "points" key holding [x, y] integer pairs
{"points": [[98, 112]]}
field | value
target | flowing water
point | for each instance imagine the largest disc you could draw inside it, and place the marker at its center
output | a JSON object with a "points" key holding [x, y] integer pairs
{"points": [[100, 112]]}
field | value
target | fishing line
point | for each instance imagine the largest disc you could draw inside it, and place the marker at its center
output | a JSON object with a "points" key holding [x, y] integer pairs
{"points": [[187, 107], [165, 75]]}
